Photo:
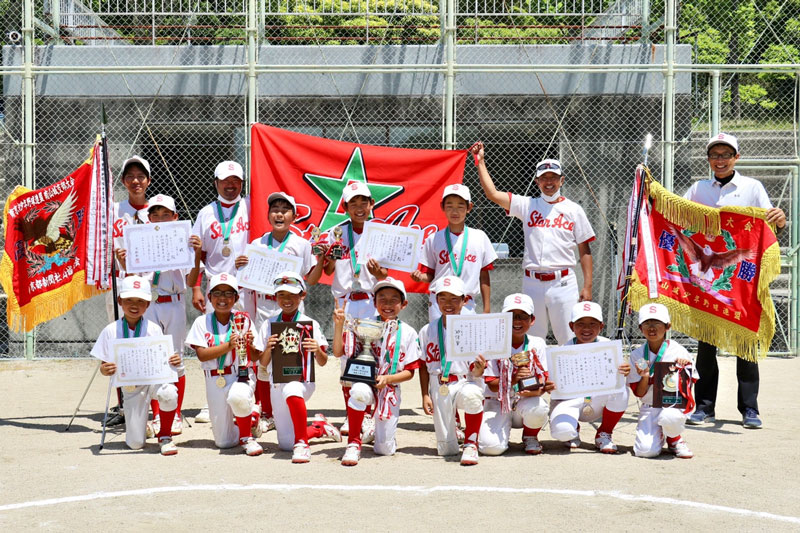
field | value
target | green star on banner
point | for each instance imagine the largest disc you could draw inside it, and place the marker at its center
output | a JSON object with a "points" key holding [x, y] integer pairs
{"points": [[332, 190]]}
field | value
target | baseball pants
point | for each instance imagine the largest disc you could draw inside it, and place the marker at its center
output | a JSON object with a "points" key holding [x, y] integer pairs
{"points": [[565, 414], [552, 305], [495, 433], [280, 410], [137, 406], [653, 426], [235, 400], [464, 395], [361, 396]]}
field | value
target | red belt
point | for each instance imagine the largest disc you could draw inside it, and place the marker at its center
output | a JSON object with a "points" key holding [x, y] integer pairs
{"points": [[225, 371], [266, 296], [356, 296], [546, 276], [452, 378], [164, 298]]}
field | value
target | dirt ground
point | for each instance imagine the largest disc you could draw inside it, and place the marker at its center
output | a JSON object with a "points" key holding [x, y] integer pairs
{"points": [[738, 480]]}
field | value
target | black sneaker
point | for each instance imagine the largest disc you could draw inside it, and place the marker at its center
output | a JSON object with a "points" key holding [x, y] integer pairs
{"points": [[116, 420], [750, 419]]}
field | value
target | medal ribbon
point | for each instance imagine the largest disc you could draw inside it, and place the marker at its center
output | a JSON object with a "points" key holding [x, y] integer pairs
{"points": [[396, 355], [356, 267], [283, 244], [444, 363], [136, 332], [658, 357], [226, 231], [457, 268], [685, 386], [217, 342], [156, 277]]}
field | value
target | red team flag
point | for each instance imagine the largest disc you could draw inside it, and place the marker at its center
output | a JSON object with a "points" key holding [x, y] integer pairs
{"points": [[406, 184], [57, 245], [711, 268]]}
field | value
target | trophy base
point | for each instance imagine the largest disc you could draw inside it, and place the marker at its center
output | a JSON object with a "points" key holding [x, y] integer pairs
{"points": [[243, 376], [529, 384], [360, 371]]}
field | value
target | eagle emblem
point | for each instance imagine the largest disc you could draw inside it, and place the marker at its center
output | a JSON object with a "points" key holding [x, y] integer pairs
{"points": [[49, 234], [701, 261]]}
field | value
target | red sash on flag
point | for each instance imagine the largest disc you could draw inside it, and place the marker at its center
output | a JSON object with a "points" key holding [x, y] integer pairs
{"points": [[57, 249], [406, 184], [712, 269]]}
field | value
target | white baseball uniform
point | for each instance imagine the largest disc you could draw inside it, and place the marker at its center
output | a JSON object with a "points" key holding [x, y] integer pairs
{"points": [[235, 399], [464, 391], [387, 409], [479, 255], [529, 412], [356, 304], [282, 391], [168, 309], [124, 213], [565, 414], [265, 305], [209, 228], [655, 423], [137, 403], [552, 232]]}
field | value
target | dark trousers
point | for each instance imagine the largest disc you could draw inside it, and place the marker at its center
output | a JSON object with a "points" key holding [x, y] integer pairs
{"points": [[705, 390]]}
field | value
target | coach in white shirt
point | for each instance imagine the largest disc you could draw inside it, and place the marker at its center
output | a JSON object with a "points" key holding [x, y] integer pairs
{"points": [[728, 187]]}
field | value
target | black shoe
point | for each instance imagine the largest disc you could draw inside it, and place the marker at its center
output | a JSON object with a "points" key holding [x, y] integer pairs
{"points": [[114, 409], [116, 420]]}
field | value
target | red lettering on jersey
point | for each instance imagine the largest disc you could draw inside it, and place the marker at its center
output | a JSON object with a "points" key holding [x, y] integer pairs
{"points": [[209, 339], [118, 225], [444, 258], [216, 230], [537, 220], [432, 353]]}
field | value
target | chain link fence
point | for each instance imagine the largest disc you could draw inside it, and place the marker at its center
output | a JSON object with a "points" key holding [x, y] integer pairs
{"points": [[579, 81]]}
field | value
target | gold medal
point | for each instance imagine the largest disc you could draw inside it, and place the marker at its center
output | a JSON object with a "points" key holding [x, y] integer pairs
{"points": [[129, 388], [220, 382], [444, 390], [226, 251]]}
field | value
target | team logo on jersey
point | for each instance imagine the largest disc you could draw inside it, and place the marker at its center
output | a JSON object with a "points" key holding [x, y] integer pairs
{"points": [[331, 189]]}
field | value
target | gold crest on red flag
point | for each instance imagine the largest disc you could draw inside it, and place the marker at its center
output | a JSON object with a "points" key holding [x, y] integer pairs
{"points": [[711, 268]]}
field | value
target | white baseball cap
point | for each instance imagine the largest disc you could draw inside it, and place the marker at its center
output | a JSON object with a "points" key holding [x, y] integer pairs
{"points": [[723, 138], [135, 160], [135, 287], [519, 301], [290, 282], [390, 282], [223, 279], [282, 196], [450, 284], [161, 200], [357, 188], [586, 309], [549, 165], [655, 312], [227, 169], [459, 190]]}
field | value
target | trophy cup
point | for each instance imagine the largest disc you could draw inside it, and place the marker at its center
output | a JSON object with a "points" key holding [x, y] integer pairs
{"points": [[317, 243], [240, 324], [336, 250], [522, 360], [364, 367]]}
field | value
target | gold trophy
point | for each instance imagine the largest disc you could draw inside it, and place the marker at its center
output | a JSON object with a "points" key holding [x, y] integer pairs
{"points": [[364, 368], [523, 360], [240, 323], [336, 250], [317, 243]]}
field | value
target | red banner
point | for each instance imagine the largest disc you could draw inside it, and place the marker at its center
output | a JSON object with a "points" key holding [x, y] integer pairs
{"points": [[406, 184], [47, 235], [712, 269]]}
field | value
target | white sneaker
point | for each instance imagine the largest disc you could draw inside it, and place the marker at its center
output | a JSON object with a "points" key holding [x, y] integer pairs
{"points": [[329, 429], [604, 443], [532, 445], [266, 424], [470, 455], [167, 446], [177, 426], [301, 453], [573, 444], [153, 427], [460, 435], [203, 416], [344, 429], [351, 455], [368, 430], [252, 448], [680, 449]]}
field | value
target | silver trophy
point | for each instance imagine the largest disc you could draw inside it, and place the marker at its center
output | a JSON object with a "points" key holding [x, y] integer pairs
{"points": [[364, 367], [240, 324]]}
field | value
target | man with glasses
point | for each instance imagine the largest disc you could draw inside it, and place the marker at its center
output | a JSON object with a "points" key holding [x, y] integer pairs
{"points": [[728, 187], [554, 226]]}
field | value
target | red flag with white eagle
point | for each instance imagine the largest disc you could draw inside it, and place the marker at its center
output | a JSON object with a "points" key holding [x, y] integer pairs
{"points": [[406, 184]]}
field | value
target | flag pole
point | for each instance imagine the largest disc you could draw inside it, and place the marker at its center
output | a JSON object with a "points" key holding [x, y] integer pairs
{"points": [[623, 307], [104, 144]]}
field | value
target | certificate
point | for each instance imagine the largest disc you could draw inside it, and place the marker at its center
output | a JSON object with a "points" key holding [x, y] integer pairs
{"points": [[396, 247], [143, 361], [263, 266], [158, 246], [488, 335], [585, 369]]}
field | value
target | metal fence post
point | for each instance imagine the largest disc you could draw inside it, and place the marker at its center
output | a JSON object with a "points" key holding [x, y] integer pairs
{"points": [[646, 21], [715, 102], [449, 89], [28, 88], [794, 243], [252, 77], [670, 29]]}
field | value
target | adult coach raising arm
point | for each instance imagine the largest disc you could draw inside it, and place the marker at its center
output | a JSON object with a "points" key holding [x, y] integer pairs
{"points": [[554, 226]]}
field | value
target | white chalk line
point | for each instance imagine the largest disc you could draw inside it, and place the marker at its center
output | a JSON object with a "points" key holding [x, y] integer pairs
{"points": [[401, 488]]}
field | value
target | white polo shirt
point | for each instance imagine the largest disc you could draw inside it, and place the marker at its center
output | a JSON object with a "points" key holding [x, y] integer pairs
{"points": [[740, 191]]}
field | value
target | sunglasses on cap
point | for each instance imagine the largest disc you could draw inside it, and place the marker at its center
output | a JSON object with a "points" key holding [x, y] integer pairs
{"points": [[288, 281], [548, 166]]}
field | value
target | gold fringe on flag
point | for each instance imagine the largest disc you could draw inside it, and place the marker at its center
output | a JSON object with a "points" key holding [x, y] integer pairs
{"points": [[682, 212]]}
